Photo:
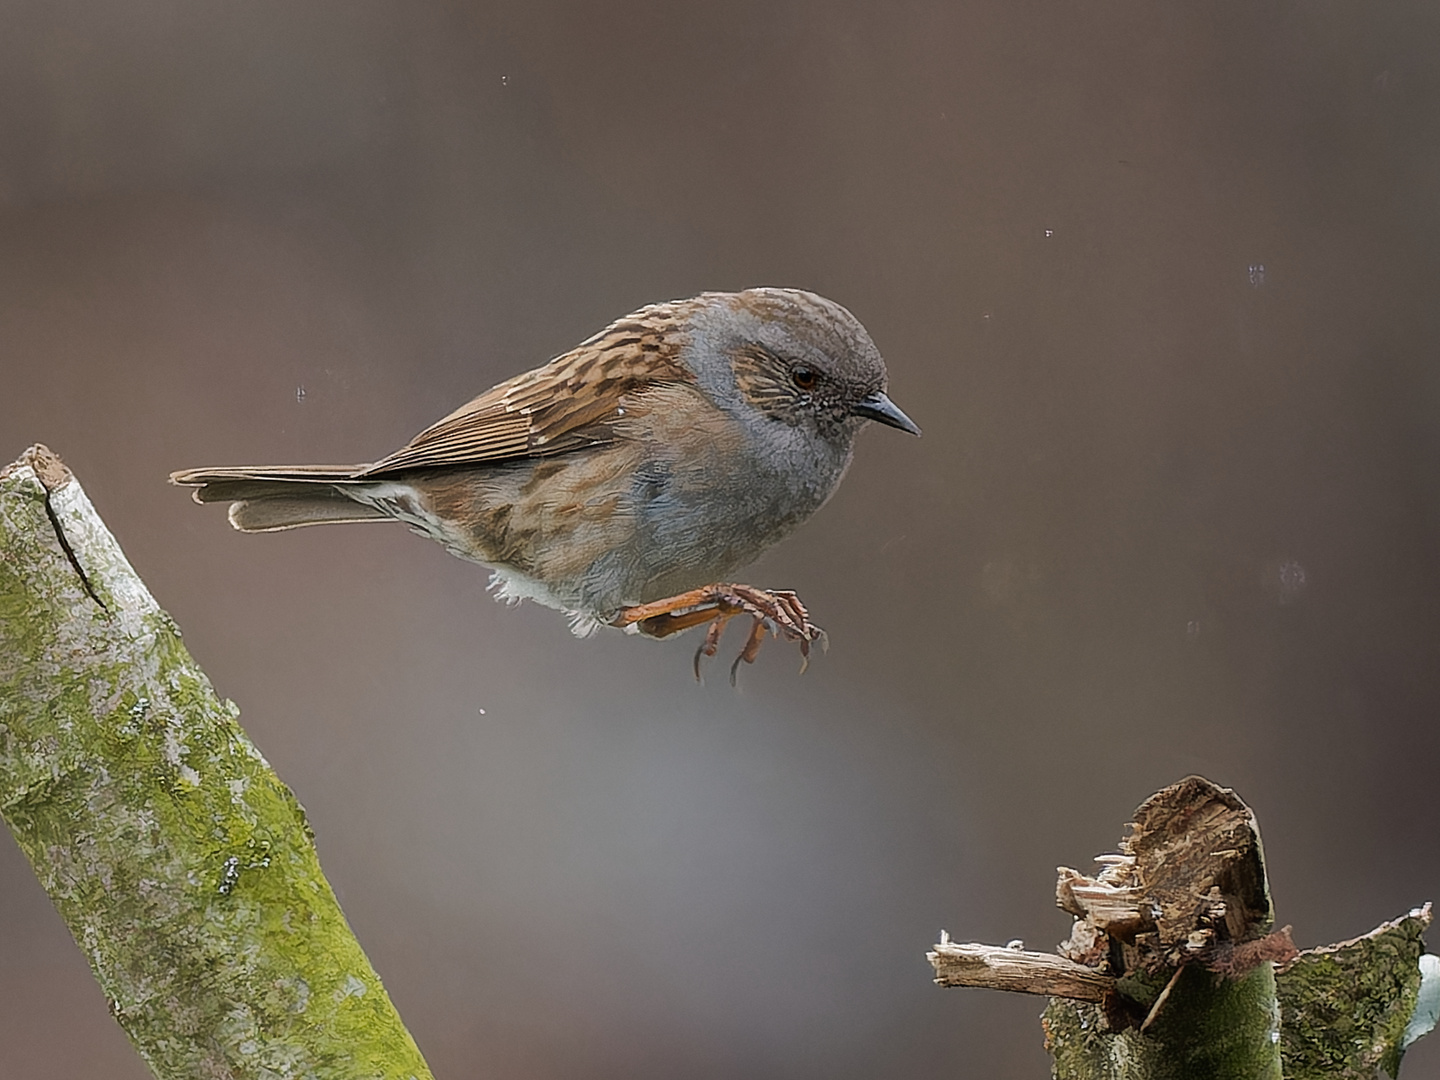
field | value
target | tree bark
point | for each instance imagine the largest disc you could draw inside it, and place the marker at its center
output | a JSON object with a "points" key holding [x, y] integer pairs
{"points": [[184, 867]]}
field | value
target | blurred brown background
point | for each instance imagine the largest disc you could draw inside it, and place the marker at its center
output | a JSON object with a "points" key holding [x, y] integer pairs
{"points": [[1157, 279]]}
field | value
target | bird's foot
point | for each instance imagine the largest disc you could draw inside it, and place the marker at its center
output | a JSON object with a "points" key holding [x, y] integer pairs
{"points": [[778, 611]]}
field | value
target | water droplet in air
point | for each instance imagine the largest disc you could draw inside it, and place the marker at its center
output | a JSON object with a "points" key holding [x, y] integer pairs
{"points": [[1257, 275], [1285, 581], [504, 80], [299, 395], [1049, 233], [1292, 581]]}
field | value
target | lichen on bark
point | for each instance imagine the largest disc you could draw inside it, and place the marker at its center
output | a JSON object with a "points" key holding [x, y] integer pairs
{"points": [[184, 867]]}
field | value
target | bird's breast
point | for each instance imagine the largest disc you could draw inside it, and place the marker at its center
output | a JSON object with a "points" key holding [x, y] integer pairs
{"points": [[712, 497], [680, 496]]}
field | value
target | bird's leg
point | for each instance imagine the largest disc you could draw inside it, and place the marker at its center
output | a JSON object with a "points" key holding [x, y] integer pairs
{"points": [[661, 618], [779, 611]]}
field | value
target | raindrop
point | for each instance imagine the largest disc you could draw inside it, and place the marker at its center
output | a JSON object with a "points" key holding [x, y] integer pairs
{"points": [[300, 395], [1257, 275], [1049, 233], [1292, 581], [504, 80]]}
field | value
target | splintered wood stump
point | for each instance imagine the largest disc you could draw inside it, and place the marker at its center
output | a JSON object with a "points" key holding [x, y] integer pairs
{"points": [[1172, 968]]}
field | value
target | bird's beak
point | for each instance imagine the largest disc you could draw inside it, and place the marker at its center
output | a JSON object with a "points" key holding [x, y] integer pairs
{"points": [[879, 407]]}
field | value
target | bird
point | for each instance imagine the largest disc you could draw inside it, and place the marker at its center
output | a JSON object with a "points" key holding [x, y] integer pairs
{"points": [[625, 481]]}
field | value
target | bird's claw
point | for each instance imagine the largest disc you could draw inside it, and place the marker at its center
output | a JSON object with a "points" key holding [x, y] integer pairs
{"points": [[777, 611]]}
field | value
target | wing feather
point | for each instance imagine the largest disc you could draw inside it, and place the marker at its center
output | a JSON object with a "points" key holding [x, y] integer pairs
{"points": [[566, 404]]}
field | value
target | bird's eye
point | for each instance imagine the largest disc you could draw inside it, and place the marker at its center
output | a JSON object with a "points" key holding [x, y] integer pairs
{"points": [[805, 378]]}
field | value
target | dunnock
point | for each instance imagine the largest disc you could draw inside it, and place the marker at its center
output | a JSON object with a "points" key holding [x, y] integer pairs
{"points": [[613, 483]]}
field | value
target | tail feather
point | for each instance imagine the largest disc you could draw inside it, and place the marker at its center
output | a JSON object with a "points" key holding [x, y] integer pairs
{"points": [[268, 498], [297, 474], [233, 490], [291, 511]]}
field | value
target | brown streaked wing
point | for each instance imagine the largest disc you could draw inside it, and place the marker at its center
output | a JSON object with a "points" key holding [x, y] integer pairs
{"points": [[558, 407]]}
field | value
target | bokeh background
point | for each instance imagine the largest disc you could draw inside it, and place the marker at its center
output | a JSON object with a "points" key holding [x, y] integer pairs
{"points": [[1158, 280]]}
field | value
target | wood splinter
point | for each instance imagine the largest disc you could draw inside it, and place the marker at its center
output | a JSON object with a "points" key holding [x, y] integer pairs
{"points": [[998, 967]]}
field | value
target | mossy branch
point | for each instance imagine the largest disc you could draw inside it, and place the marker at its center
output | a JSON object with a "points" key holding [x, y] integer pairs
{"points": [[183, 866]]}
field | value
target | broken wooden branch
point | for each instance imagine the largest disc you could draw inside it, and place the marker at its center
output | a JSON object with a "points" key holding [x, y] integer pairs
{"points": [[1172, 968], [1000, 967]]}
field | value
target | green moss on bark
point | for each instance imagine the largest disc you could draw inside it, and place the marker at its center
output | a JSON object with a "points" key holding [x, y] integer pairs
{"points": [[184, 867], [1346, 1007], [1210, 1026]]}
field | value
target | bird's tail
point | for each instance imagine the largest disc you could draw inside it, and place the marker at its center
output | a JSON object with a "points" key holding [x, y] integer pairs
{"points": [[268, 498]]}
